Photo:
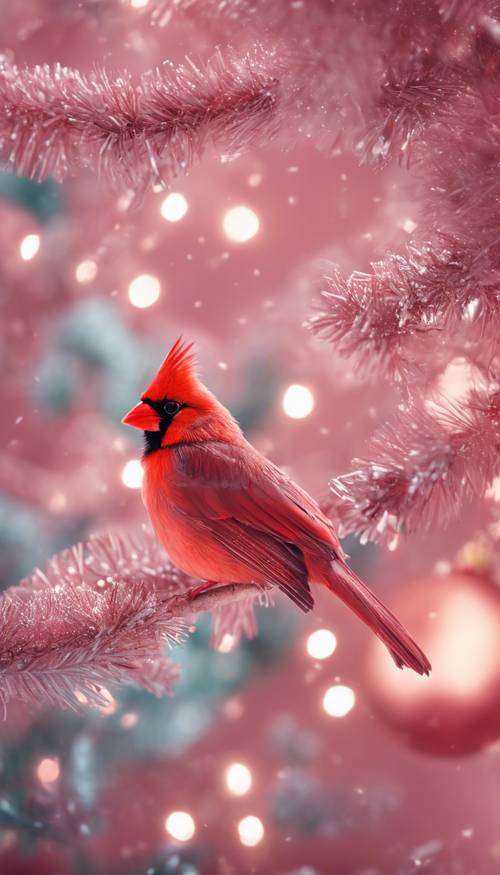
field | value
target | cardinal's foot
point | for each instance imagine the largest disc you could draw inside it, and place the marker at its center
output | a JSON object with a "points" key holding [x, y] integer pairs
{"points": [[197, 590]]}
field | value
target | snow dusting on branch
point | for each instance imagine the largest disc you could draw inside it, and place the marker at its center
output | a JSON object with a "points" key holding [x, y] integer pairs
{"points": [[436, 300], [423, 467], [54, 120], [100, 617], [379, 320]]}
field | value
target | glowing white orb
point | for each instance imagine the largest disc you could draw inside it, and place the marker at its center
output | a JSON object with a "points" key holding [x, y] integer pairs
{"points": [[129, 719], [57, 502], [240, 224], [111, 705], [125, 200], [321, 644], [338, 701], [409, 226], [251, 831], [180, 825], [29, 246], [238, 779], [227, 643], [144, 290], [174, 207], [86, 271], [132, 474], [298, 401], [139, 4], [458, 379], [493, 491], [254, 179], [48, 770]]}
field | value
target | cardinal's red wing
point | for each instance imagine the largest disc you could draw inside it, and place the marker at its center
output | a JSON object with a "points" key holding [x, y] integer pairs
{"points": [[253, 510], [267, 558], [237, 481]]}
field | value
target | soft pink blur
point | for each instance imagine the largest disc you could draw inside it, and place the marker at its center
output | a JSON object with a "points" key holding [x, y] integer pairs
{"points": [[243, 303]]}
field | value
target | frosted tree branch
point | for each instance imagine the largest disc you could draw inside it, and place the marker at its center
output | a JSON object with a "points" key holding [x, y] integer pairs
{"points": [[382, 321], [423, 466], [100, 617], [54, 120], [436, 111]]}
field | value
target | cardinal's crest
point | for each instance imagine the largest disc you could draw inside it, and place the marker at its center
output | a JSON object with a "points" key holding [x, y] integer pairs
{"points": [[177, 376]]}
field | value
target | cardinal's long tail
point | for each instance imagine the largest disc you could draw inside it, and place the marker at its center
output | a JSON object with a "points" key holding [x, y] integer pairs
{"points": [[344, 583]]}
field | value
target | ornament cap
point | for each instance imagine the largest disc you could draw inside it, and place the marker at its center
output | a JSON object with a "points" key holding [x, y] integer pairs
{"points": [[475, 557]]}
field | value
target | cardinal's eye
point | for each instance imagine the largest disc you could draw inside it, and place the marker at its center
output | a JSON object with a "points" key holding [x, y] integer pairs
{"points": [[170, 408]]}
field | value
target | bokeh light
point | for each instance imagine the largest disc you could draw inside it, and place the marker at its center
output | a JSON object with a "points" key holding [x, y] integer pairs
{"points": [[129, 719], [132, 474], [457, 380], [338, 701], [174, 207], [180, 825], [48, 770], [29, 246], [493, 491], [238, 779], [321, 644], [110, 705], [144, 290], [86, 271], [298, 401], [57, 502], [240, 224], [251, 830], [227, 643]]}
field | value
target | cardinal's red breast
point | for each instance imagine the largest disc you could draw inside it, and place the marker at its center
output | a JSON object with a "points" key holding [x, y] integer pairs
{"points": [[191, 546]]}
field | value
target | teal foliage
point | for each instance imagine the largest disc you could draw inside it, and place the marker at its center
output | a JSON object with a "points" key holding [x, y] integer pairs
{"points": [[257, 396], [94, 331], [57, 382], [28, 537], [24, 540], [169, 726], [43, 199], [93, 335]]}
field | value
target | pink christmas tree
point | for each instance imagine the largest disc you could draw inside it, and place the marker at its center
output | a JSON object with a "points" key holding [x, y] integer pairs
{"points": [[311, 192]]}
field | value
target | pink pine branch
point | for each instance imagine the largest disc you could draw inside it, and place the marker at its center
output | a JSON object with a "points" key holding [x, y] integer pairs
{"points": [[418, 310], [334, 85], [457, 164], [422, 468], [54, 120], [107, 558], [236, 620], [61, 646], [408, 103], [382, 320], [100, 617], [445, 288], [420, 86]]}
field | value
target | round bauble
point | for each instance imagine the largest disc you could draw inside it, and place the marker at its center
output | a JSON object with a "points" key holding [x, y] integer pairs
{"points": [[455, 618]]}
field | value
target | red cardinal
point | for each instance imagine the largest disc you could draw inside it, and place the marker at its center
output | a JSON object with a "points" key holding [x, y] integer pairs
{"points": [[225, 513]]}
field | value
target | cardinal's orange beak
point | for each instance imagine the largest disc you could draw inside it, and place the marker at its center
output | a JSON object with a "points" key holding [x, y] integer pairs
{"points": [[142, 416]]}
